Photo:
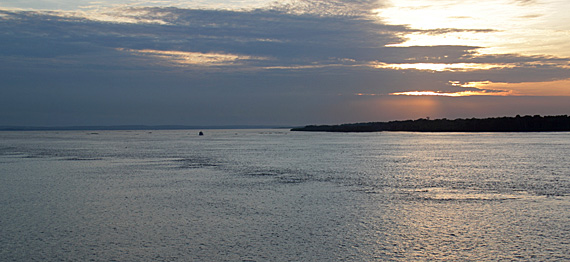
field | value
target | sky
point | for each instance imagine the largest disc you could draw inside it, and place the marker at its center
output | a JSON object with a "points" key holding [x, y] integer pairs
{"points": [[286, 63]]}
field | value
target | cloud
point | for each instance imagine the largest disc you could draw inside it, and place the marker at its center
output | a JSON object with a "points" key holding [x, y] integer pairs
{"points": [[466, 89], [327, 8], [441, 67], [207, 66], [525, 2], [290, 39], [193, 58], [441, 31], [282, 39]]}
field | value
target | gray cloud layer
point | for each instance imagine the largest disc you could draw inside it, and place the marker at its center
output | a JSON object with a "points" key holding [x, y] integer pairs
{"points": [[70, 70]]}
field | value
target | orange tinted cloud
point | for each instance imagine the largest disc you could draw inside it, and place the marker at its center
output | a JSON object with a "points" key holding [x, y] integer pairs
{"points": [[487, 88], [551, 88]]}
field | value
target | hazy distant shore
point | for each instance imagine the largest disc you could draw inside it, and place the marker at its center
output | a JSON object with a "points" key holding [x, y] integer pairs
{"points": [[129, 127], [527, 123]]}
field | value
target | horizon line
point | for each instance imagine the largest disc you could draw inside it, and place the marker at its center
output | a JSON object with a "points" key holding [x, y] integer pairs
{"points": [[136, 127]]}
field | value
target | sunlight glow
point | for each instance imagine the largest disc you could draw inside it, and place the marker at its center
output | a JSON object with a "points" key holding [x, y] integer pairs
{"points": [[524, 27], [479, 88], [451, 94], [548, 88], [193, 58], [465, 14], [440, 67], [120, 15], [488, 88]]}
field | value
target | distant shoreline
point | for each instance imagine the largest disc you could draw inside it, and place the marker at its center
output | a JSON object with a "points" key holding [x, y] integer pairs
{"points": [[131, 127], [518, 123]]}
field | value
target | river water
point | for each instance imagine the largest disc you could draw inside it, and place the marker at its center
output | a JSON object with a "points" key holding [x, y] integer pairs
{"points": [[275, 195]]}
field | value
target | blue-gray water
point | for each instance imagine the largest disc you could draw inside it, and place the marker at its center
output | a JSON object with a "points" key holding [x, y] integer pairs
{"points": [[275, 195]]}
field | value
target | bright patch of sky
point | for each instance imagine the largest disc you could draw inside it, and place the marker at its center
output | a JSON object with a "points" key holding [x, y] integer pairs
{"points": [[440, 67], [488, 88], [193, 58], [534, 27]]}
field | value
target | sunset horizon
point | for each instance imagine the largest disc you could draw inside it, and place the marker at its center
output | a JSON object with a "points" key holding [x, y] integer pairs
{"points": [[260, 62], [294, 130]]}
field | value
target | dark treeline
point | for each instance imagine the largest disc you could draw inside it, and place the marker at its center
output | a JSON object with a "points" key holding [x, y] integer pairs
{"points": [[500, 124]]}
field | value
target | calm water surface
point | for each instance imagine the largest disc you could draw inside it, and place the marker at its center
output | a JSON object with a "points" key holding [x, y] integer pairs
{"points": [[275, 195]]}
